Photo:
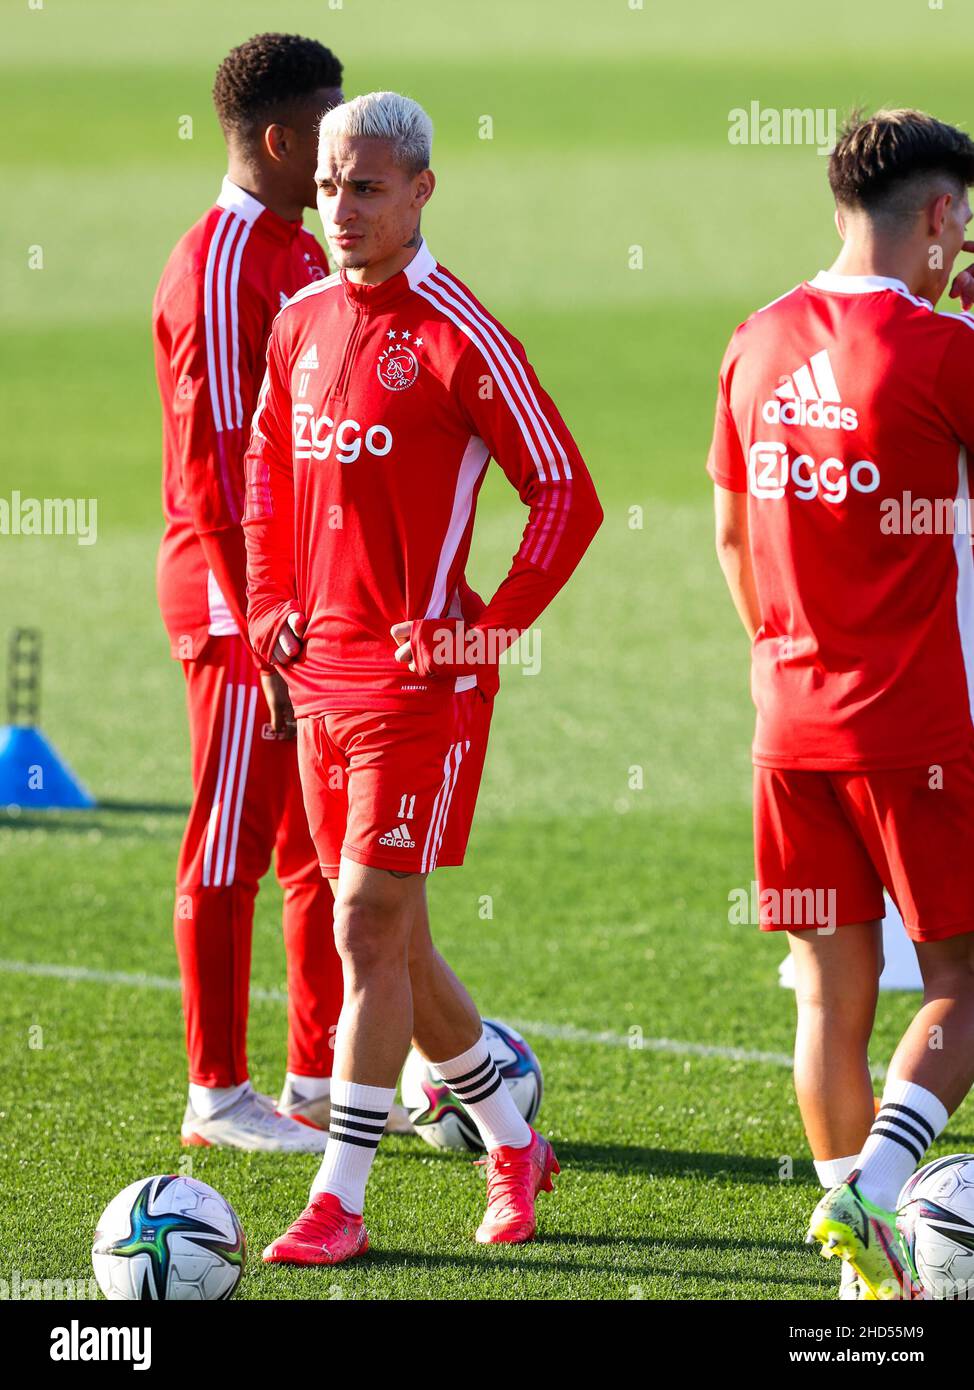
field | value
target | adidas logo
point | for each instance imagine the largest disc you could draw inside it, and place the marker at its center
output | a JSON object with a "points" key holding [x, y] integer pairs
{"points": [[811, 397], [398, 838], [309, 361]]}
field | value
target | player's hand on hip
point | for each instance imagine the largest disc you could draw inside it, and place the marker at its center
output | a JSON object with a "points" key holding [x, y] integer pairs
{"points": [[289, 644], [279, 704], [404, 652], [963, 286]]}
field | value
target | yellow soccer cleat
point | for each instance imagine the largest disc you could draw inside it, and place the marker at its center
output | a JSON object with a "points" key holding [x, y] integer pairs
{"points": [[847, 1224]]}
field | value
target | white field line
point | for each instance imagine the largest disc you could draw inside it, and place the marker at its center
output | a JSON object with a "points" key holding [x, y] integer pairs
{"points": [[559, 1032]]}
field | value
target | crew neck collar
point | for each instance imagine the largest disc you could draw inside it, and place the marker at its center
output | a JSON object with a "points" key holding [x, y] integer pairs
{"points": [[252, 210], [856, 284]]}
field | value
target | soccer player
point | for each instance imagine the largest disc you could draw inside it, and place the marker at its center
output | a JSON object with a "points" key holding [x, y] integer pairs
{"points": [[224, 283], [844, 406], [388, 389]]}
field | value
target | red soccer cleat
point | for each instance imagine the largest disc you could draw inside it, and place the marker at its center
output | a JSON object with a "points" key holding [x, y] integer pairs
{"points": [[514, 1179], [324, 1234]]}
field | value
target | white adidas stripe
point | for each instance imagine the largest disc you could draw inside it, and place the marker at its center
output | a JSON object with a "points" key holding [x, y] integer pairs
{"points": [[218, 790], [441, 814], [227, 799], [241, 787], [499, 374], [436, 814], [316, 287], [265, 386], [472, 465], [455, 757], [557, 1032], [208, 279], [509, 357], [234, 322], [801, 382], [234, 228], [221, 281], [465, 748], [814, 381], [825, 382]]}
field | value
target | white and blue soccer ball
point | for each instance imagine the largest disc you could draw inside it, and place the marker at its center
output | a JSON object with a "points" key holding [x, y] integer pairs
{"points": [[439, 1117], [937, 1218], [168, 1239]]}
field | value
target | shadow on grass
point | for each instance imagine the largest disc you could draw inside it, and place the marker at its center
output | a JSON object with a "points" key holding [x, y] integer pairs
{"points": [[108, 817], [626, 1160], [535, 1259]]}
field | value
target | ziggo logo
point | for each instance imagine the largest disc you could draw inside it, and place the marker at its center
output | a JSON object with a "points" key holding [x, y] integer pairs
{"points": [[314, 437], [769, 474]]}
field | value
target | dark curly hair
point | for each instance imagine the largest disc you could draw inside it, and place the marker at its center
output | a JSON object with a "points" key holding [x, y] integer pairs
{"points": [[267, 77], [880, 161]]}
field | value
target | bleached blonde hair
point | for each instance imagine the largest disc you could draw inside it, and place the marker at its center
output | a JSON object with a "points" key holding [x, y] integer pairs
{"points": [[385, 116]]}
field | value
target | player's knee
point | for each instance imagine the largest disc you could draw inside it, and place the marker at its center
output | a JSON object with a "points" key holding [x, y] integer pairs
{"points": [[845, 1012], [951, 980], [369, 934]]}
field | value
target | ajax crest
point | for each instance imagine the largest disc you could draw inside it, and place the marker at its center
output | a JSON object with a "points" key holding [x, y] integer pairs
{"points": [[398, 365]]}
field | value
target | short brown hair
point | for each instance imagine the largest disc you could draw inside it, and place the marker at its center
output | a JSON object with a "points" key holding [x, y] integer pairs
{"points": [[889, 164]]}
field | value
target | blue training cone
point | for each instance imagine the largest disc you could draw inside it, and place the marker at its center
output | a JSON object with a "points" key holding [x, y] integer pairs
{"points": [[33, 774]]}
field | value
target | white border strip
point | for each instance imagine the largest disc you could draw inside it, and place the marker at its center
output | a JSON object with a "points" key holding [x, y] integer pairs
{"points": [[557, 1032]]}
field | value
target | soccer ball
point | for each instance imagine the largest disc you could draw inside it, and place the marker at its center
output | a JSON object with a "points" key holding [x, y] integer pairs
{"points": [[168, 1238], [937, 1218], [439, 1117]]}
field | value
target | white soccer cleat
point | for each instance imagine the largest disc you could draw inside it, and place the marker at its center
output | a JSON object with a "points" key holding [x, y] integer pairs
{"points": [[306, 1110], [317, 1113], [248, 1124]]}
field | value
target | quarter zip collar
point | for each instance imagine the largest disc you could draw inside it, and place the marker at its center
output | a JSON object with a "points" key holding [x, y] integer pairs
{"points": [[374, 298], [255, 214]]}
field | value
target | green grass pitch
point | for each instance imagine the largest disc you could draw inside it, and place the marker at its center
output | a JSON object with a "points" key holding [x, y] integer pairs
{"points": [[660, 1027]]}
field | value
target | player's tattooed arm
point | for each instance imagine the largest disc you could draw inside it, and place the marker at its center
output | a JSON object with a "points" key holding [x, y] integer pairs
{"points": [[399, 873]]}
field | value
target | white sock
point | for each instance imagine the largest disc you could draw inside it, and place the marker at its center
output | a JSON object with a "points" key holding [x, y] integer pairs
{"points": [[832, 1171], [309, 1087], [358, 1117], [207, 1100], [478, 1085], [909, 1120]]}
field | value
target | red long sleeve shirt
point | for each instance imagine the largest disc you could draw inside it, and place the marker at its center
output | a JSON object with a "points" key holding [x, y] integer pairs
{"points": [[222, 287], [381, 408]]}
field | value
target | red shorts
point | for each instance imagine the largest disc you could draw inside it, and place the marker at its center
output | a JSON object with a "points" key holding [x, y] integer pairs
{"points": [[828, 843], [394, 790]]}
